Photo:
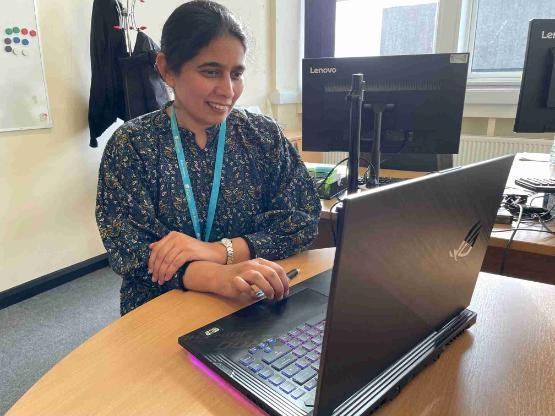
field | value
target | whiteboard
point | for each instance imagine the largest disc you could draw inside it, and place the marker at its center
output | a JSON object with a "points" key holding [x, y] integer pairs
{"points": [[23, 95]]}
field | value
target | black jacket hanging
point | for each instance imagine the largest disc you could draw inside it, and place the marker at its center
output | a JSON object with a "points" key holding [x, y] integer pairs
{"points": [[106, 101], [144, 90]]}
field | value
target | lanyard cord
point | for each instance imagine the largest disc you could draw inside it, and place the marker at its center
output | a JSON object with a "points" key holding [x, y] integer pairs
{"points": [[191, 203]]}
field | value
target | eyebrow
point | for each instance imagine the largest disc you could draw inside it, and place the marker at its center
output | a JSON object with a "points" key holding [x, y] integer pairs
{"points": [[218, 65]]}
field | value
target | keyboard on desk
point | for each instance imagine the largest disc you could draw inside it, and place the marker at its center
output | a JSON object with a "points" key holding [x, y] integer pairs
{"points": [[546, 185], [289, 363]]}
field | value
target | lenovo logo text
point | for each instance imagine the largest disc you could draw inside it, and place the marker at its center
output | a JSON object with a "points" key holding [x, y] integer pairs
{"points": [[548, 35], [323, 70]]}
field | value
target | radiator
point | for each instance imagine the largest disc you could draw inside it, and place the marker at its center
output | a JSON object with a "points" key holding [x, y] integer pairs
{"points": [[477, 148]]}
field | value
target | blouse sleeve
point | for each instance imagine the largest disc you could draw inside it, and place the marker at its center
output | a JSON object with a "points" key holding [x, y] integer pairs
{"points": [[126, 214], [290, 222]]}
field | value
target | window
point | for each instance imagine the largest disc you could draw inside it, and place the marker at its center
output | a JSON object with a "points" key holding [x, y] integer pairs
{"points": [[496, 35], [493, 31], [385, 27]]}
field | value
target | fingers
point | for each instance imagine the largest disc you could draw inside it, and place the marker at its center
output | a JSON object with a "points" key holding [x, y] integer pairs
{"points": [[254, 277], [280, 272], [171, 263], [241, 286], [266, 275]]}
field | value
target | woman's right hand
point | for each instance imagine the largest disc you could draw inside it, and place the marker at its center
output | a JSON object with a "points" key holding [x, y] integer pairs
{"points": [[236, 280]]}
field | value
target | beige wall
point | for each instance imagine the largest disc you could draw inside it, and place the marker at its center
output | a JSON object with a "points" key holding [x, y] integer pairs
{"points": [[48, 177]]}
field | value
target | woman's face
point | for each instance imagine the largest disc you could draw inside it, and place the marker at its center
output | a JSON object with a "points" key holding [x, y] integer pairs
{"points": [[208, 85]]}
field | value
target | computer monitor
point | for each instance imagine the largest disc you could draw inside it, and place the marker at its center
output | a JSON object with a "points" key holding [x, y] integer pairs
{"points": [[427, 93], [536, 103]]}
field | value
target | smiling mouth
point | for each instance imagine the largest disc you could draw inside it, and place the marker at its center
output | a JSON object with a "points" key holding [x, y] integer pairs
{"points": [[219, 107]]}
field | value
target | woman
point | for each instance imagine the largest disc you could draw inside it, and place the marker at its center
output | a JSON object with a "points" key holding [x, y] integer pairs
{"points": [[200, 195]]}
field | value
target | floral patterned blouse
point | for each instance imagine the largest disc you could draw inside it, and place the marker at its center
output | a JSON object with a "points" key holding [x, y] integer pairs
{"points": [[266, 195]]}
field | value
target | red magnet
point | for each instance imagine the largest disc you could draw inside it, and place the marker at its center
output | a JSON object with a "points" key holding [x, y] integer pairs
{"points": [[33, 33], [24, 31]]}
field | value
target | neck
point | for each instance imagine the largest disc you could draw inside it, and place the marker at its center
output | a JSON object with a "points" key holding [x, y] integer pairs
{"points": [[183, 121]]}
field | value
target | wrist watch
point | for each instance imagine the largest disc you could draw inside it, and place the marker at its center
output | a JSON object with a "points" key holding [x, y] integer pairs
{"points": [[228, 249]]}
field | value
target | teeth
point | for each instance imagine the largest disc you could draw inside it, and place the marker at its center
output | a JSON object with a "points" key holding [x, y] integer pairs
{"points": [[218, 107]]}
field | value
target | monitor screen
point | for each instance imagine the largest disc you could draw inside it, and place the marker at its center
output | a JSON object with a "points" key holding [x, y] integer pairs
{"points": [[427, 93], [536, 103]]}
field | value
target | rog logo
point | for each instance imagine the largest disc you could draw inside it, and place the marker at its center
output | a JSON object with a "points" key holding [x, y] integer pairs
{"points": [[466, 246], [211, 331]]}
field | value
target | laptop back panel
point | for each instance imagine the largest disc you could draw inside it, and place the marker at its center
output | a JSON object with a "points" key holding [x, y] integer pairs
{"points": [[407, 262]]}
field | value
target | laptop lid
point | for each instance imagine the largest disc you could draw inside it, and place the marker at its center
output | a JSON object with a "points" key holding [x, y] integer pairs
{"points": [[407, 261]]}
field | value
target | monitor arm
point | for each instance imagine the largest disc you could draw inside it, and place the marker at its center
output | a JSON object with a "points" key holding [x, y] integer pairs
{"points": [[379, 109], [355, 98]]}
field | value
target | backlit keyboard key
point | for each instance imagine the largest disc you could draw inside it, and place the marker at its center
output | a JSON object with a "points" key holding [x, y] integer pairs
{"points": [[284, 362], [315, 365], [294, 343], [312, 356], [303, 376], [256, 367], [276, 380], [297, 393], [266, 373], [287, 387], [291, 371], [303, 328], [299, 352], [309, 345], [278, 352], [312, 332], [246, 359], [293, 332], [311, 384], [302, 363]]}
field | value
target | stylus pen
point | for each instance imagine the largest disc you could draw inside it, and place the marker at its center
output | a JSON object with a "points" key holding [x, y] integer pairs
{"points": [[291, 274]]}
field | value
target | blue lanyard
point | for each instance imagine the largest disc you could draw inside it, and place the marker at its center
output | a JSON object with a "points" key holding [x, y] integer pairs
{"points": [[187, 181]]}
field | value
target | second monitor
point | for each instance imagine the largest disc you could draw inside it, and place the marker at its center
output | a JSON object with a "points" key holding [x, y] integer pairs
{"points": [[426, 93]]}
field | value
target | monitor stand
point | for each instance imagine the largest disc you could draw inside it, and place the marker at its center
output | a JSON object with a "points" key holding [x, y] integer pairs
{"points": [[355, 98], [379, 109]]}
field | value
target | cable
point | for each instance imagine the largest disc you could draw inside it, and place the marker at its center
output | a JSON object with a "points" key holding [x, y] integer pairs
{"points": [[330, 172], [333, 226], [335, 167], [522, 229], [506, 250]]}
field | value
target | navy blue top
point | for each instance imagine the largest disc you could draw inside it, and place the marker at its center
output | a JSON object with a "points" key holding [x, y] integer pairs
{"points": [[266, 195]]}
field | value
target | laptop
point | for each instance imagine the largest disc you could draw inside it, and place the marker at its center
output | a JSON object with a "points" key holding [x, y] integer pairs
{"points": [[347, 340]]}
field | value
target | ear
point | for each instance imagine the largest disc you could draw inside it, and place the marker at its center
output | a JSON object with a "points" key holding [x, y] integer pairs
{"points": [[162, 66]]}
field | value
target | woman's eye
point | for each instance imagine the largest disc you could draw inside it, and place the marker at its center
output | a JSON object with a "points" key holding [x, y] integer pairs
{"points": [[210, 73], [237, 75]]}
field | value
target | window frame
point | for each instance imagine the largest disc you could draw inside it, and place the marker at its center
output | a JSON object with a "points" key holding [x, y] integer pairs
{"points": [[486, 96], [467, 36]]}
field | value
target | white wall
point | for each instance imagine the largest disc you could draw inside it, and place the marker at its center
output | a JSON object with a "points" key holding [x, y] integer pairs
{"points": [[48, 177]]}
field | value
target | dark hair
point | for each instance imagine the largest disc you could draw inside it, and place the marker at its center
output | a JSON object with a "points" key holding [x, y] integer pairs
{"points": [[192, 26]]}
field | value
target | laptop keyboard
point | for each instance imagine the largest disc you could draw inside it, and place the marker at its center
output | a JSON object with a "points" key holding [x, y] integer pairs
{"points": [[289, 363]]}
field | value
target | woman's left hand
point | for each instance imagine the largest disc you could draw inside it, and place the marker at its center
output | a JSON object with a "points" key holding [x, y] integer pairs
{"points": [[175, 249]]}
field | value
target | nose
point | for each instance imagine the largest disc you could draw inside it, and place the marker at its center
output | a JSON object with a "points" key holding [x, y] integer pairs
{"points": [[225, 87]]}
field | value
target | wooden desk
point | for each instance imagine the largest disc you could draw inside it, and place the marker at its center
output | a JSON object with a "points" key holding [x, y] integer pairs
{"points": [[532, 253], [504, 365]]}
